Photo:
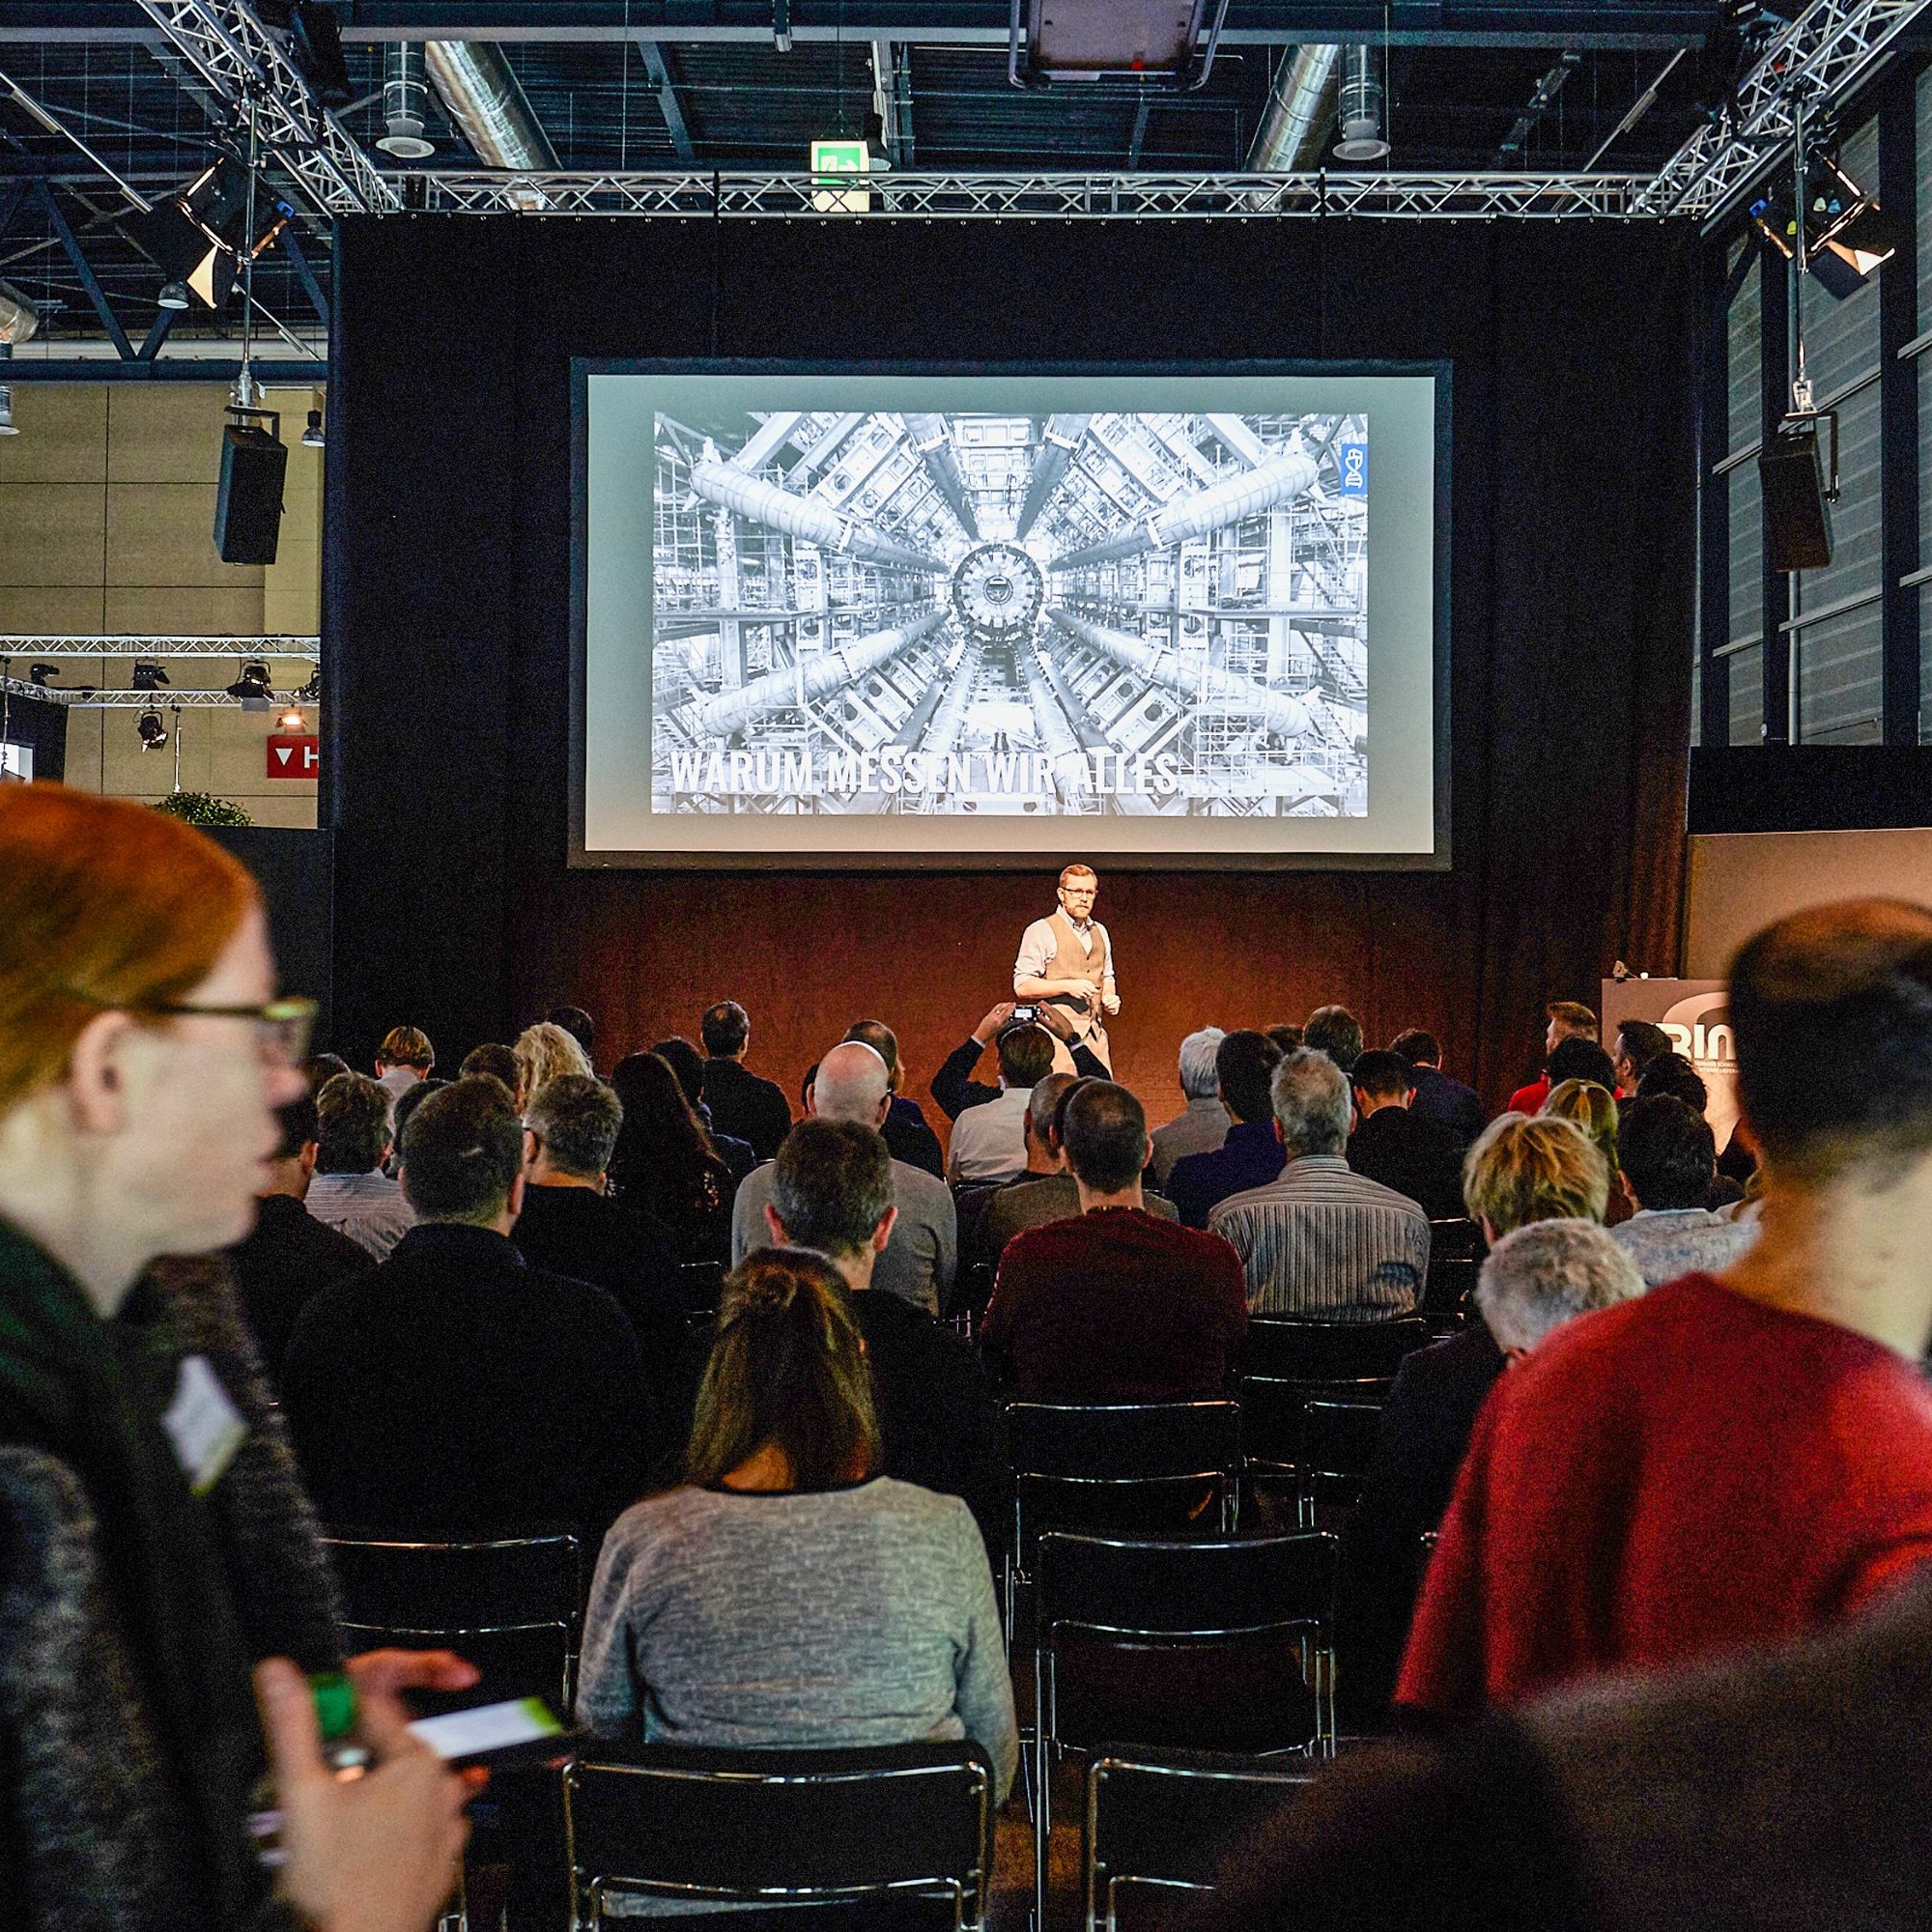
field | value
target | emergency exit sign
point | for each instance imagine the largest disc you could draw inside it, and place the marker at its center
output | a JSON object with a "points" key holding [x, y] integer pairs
{"points": [[831, 159], [291, 756]]}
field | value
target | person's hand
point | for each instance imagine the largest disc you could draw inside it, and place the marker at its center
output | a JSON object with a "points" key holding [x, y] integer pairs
{"points": [[995, 1019], [1056, 1019], [372, 1854], [1083, 989], [1111, 1003], [387, 1673]]}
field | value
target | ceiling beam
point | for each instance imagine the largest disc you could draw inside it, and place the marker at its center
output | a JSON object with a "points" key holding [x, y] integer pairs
{"points": [[668, 104]]}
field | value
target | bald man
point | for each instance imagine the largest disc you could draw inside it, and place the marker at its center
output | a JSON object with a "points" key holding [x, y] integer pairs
{"points": [[922, 1255]]}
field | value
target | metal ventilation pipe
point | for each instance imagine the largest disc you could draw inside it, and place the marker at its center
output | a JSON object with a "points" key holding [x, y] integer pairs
{"points": [[1276, 479], [20, 319], [1295, 126], [487, 102], [805, 517], [404, 103], [1360, 108]]}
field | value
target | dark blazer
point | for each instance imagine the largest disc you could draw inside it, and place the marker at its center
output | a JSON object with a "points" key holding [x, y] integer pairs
{"points": [[1425, 1433], [909, 1139], [1458, 1108], [456, 1391], [746, 1106], [1251, 1156], [1414, 1154], [287, 1260]]}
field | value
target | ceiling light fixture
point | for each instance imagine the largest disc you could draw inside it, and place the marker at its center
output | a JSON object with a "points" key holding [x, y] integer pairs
{"points": [[252, 688], [312, 436], [405, 105], [150, 677], [291, 720], [153, 732]]}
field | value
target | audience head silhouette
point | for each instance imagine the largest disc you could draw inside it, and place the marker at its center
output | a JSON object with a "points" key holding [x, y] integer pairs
{"points": [[1523, 1170], [1380, 1075], [726, 1030], [851, 1084], [832, 1187], [1026, 1056], [1672, 1075], [499, 1063], [462, 1156], [1336, 1032], [354, 1125], [547, 1051], [883, 1041], [1310, 1096], [1199, 1079], [1667, 1151], [1544, 1273], [1592, 1107], [686, 1062], [405, 1046], [1104, 1131], [1418, 1047], [1244, 1064], [1568, 1019], [1043, 1109], [1639, 1042], [1575, 1058], [578, 1024], [575, 1123]]}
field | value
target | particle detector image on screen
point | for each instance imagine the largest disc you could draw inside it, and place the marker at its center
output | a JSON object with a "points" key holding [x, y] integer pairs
{"points": [[962, 613]]}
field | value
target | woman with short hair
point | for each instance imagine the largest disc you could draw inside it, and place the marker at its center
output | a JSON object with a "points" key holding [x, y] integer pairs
{"points": [[784, 1594], [1524, 1169]]}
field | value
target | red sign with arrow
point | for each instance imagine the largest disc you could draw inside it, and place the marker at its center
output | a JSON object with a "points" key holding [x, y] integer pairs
{"points": [[294, 757]]}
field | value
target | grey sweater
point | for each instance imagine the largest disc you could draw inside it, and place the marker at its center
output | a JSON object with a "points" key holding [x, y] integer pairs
{"points": [[859, 1616]]}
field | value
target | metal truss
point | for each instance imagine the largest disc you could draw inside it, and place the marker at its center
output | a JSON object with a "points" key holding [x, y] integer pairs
{"points": [[140, 701], [1820, 55], [227, 45], [20, 645], [1071, 197]]}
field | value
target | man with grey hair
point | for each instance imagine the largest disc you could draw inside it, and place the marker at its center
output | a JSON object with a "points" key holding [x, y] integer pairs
{"points": [[570, 1226], [921, 1255], [1322, 1242], [1204, 1126], [1538, 1277]]}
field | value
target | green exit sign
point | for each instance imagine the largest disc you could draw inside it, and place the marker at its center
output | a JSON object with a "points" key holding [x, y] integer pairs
{"points": [[840, 158], [834, 161]]}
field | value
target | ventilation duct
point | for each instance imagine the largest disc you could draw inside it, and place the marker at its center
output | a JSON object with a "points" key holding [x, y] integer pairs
{"points": [[20, 319], [487, 103], [404, 103], [1295, 126], [1360, 108]]}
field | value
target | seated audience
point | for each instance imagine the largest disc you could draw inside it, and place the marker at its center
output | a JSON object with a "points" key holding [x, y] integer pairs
{"points": [[1204, 1126], [686, 1062], [1568, 1020], [349, 1192], [403, 1058], [147, 1578], [1322, 1242], [499, 1063], [666, 1161], [1594, 1109], [1336, 1032], [1727, 1459], [1521, 1171], [1533, 1280], [545, 1051], [955, 1088], [832, 1190], [788, 1594], [1579, 1059], [1637, 1044], [988, 1131], [922, 1256], [405, 1105], [742, 1105], [320, 1069], [1437, 1095], [1672, 1075], [1396, 1145], [905, 1130], [1286, 1038], [455, 1391], [570, 1226], [580, 1026], [1670, 1160], [1115, 1305], [288, 1256], [1250, 1155]]}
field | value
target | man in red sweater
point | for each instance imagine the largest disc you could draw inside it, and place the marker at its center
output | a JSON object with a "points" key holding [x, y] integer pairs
{"points": [[1115, 1305], [1730, 1460]]}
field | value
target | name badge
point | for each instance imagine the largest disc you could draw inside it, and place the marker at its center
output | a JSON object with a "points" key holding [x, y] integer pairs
{"points": [[203, 1424]]}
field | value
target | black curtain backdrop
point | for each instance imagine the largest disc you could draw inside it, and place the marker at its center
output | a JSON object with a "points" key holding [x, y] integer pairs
{"points": [[446, 604]]}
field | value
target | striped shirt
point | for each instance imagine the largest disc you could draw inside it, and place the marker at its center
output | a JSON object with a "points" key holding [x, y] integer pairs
{"points": [[1327, 1243]]}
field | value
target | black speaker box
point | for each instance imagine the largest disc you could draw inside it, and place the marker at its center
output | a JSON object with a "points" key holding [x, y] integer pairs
{"points": [[1797, 517], [248, 506]]}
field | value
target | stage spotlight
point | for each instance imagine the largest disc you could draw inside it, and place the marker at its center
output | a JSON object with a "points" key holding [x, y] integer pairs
{"points": [[153, 733], [150, 677], [174, 295], [315, 45], [1868, 239], [252, 688], [41, 673], [312, 436], [291, 720], [309, 692]]}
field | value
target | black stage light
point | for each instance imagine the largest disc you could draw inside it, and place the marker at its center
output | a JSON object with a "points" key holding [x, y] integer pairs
{"points": [[150, 677], [41, 673], [252, 688], [315, 45], [153, 733]]}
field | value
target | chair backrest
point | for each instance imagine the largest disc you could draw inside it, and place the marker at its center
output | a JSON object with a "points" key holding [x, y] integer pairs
{"points": [[1330, 1351], [1271, 1414], [1156, 1823], [1450, 1288], [1337, 1444], [1459, 1239], [1121, 1465], [778, 1826], [701, 1284], [1174, 1586]]}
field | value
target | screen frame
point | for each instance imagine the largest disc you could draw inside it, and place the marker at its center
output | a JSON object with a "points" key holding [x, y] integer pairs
{"points": [[584, 367]]}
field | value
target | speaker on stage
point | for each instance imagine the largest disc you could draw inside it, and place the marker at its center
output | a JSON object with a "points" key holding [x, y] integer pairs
{"points": [[1797, 505], [248, 506]]}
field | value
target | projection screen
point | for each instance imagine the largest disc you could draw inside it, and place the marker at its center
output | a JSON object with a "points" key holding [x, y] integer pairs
{"points": [[881, 617]]}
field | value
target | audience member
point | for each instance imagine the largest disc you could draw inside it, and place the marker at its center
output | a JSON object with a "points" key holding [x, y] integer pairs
{"points": [[1286, 1038], [922, 1256], [1533, 1280], [320, 1069], [988, 1128], [1727, 1461], [666, 1163], [1568, 1020], [1594, 1109], [1669, 1158], [288, 1256], [788, 1594], [455, 1391], [580, 1026], [832, 1190], [570, 1226], [350, 1191], [1336, 1032], [1396, 1145], [499, 1063], [905, 1131], [687, 1063], [1116, 1304], [742, 1105], [1521, 1171], [1637, 1044], [1204, 1125], [406, 1104], [1438, 1097], [1322, 1242], [1250, 1155], [143, 1573], [403, 1058], [545, 1052], [1672, 1075], [955, 1088]]}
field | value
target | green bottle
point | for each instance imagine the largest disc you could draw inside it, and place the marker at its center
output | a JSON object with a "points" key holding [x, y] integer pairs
{"points": [[335, 1717]]}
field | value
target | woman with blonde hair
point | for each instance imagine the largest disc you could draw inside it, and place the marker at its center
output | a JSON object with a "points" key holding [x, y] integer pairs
{"points": [[543, 1051], [1522, 1170], [785, 1593], [1594, 1109]]}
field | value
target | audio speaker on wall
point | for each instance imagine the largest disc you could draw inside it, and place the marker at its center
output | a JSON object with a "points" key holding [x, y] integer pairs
{"points": [[1797, 514], [248, 506]]}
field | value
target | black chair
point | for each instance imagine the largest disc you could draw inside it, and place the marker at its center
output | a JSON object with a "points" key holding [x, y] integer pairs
{"points": [[700, 1283], [1271, 1426], [1456, 1252], [894, 1825], [511, 1607], [1337, 1444], [1219, 1645], [1326, 1353], [1160, 1823]]}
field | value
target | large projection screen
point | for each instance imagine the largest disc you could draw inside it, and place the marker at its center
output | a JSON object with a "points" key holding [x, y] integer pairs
{"points": [[851, 616]]}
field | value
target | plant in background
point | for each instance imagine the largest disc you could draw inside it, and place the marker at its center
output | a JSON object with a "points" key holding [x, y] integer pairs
{"points": [[201, 808]]}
